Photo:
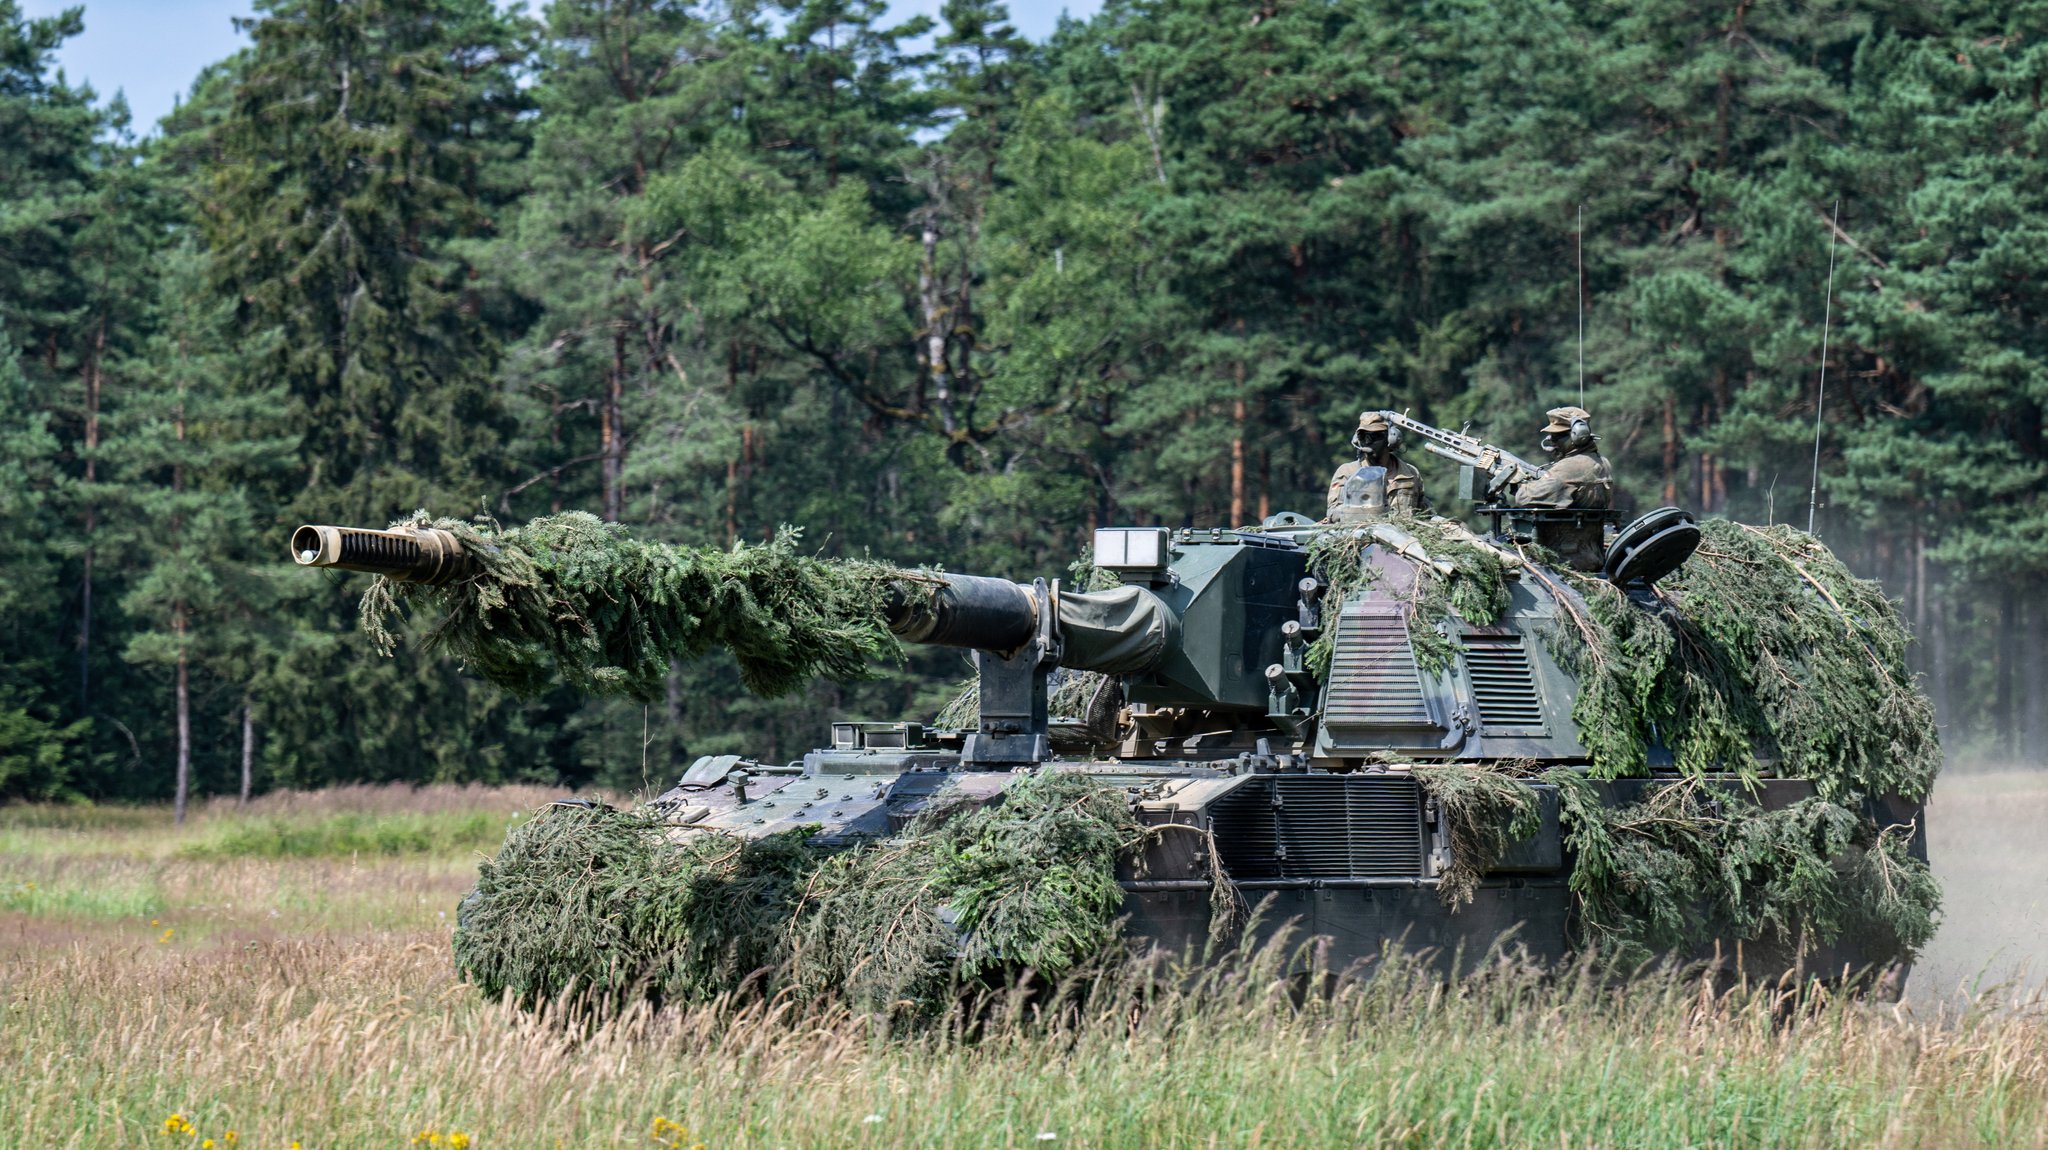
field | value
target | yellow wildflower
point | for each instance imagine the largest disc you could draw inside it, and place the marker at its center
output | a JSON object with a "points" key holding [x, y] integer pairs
{"points": [[206, 1145], [457, 1140]]}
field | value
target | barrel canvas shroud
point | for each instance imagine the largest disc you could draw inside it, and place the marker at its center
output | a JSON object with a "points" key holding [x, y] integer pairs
{"points": [[1761, 657]]}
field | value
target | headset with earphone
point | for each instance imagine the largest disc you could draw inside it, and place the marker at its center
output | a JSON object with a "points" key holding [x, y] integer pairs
{"points": [[1393, 438], [1579, 436]]}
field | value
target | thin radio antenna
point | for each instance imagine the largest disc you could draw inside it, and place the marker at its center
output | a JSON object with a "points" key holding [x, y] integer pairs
{"points": [[1820, 398], [1580, 238]]}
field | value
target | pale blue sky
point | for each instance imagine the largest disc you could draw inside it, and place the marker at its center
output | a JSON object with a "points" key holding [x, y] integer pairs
{"points": [[151, 49]]}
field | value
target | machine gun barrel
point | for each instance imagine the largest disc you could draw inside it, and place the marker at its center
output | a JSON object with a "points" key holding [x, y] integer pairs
{"points": [[407, 554], [1502, 465]]}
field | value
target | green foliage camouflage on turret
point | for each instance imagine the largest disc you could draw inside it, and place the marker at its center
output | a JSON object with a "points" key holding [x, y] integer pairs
{"points": [[1769, 648], [571, 599], [1475, 589], [1762, 649], [611, 905]]}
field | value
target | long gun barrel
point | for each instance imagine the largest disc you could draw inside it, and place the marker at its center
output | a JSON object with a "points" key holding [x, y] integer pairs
{"points": [[1501, 465], [408, 554], [1112, 630]]}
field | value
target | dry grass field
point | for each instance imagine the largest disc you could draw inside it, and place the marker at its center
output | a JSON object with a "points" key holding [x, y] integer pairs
{"points": [[283, 973]]}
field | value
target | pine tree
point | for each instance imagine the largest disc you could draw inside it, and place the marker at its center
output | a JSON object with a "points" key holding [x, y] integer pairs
{"points": [[836, 98], [46, 133], [40, 753], [361, 163], [47, 129], [629, 92], [1265, 128], [53, 191], [192, 449], [353, 160], [123, 218], [982, 63], [1937, 390]]}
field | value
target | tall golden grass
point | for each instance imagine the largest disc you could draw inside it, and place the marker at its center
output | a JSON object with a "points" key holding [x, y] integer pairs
{"points": [[339, 1023]]}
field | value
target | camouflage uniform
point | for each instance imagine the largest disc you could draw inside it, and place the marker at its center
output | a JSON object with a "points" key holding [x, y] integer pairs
{"points": [[1404, 483], [1404, 486], [1579, 478]]}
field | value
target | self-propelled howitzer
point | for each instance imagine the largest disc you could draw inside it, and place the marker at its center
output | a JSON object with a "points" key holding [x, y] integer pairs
{"points": [[1398, 732]]}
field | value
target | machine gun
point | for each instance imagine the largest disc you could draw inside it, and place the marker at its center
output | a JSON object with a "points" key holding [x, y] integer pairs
{"points": [[1502, 468], [1492, 475]]}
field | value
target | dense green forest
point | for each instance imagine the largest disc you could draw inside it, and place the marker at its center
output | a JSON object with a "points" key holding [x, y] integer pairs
{"points": [[939, 294]]}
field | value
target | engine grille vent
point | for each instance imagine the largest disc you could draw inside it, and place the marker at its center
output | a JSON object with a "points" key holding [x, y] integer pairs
{"points": [[1373, 681], [1503, 683], [1321, 826]]}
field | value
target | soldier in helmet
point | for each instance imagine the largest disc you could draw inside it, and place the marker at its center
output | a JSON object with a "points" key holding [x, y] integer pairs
{"points": [[1577, 476], [1375, 441]]}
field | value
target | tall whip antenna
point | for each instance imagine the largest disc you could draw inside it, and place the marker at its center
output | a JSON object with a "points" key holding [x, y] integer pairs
{"points": [[1580, 237], [1820, 399]]}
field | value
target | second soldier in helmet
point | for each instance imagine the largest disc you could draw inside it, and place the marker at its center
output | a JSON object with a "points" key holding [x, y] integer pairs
{"points": [[1577, 476], [1375, 441]]}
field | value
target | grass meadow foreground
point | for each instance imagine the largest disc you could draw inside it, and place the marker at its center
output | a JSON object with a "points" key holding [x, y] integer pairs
{"points": [[283, 974]]}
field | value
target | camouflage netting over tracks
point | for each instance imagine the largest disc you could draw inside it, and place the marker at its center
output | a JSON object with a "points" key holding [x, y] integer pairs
{"points": [[573, 599], [615, 905]]}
